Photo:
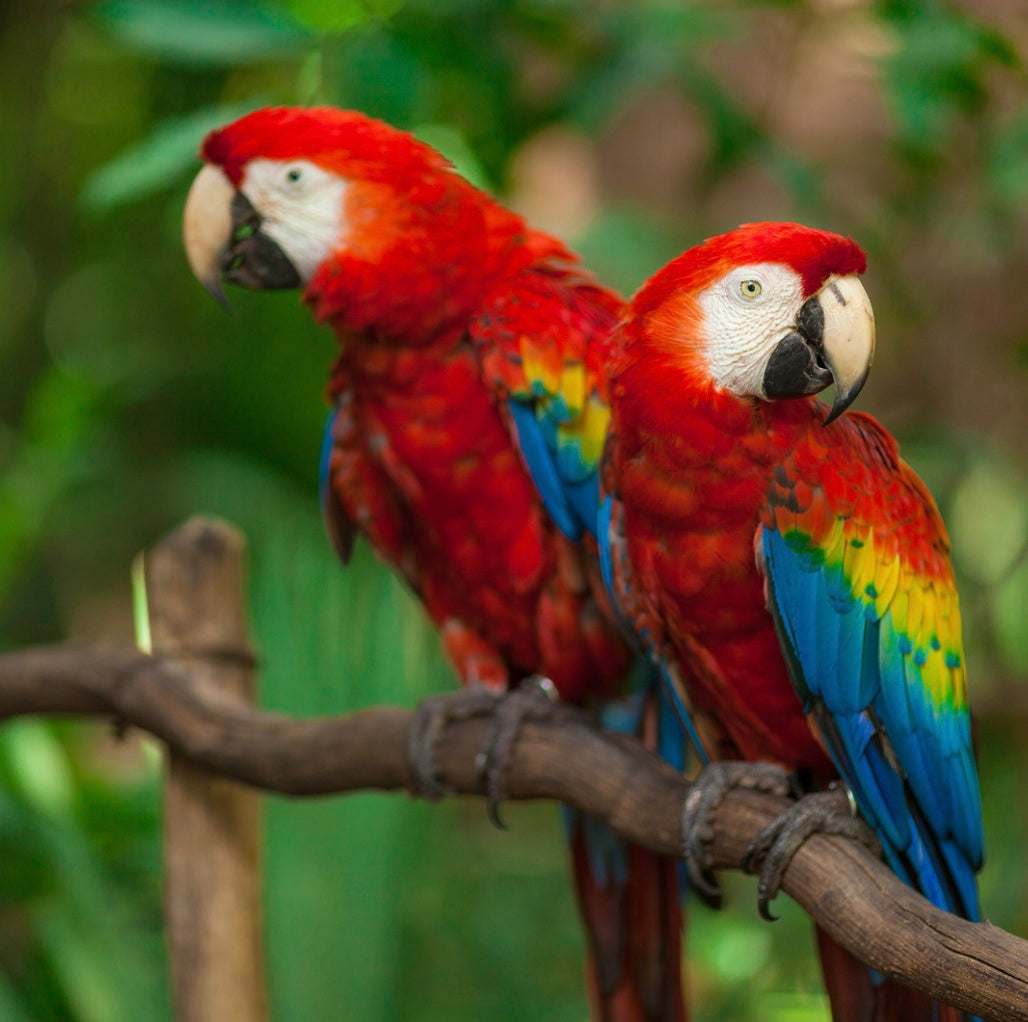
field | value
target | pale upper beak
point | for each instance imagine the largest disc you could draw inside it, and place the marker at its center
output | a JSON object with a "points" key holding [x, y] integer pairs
{"points": [[848, 339], [207, 227], [833, 341]]}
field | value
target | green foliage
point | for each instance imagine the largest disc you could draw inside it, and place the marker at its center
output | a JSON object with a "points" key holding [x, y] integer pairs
{"points": [[1009, 159], [938, 74], [621, 242], [128, 400], [339, 15], [993, 492], [81, 856], [157, 163], [201, 32]]}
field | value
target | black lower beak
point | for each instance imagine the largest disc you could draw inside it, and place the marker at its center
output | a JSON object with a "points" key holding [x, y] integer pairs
{"points": [[251, 259], [797, 366]]}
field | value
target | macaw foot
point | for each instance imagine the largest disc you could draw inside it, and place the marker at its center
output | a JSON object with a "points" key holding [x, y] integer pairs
{"points": [[431, 716], [832, 811], [535, 699], [706, 794]]}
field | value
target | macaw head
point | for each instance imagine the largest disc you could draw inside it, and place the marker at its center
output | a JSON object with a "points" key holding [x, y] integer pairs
{"points": [[767, 311], [372, 222]]}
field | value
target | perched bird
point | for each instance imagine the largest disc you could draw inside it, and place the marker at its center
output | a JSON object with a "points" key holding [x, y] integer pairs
{"points": [[785, 564], [468, 413]]}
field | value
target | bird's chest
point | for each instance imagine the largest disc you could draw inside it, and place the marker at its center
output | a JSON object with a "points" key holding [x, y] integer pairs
{"points": [[691, 514]]}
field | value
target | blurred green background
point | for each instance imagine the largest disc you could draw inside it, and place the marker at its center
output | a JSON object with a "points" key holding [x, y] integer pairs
{"points": [[128, 400]]}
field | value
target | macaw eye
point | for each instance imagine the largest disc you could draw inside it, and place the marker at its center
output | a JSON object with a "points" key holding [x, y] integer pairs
{"points": [[293, 175], [750, 288]]}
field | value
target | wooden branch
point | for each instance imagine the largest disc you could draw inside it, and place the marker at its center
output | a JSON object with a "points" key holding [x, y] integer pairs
{"points": [[857, 900], [195, 600]]}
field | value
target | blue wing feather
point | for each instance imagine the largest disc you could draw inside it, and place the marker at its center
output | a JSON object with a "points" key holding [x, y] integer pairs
{"points": [[907, 763], [341, 530], [324, 457], [562, 500]]}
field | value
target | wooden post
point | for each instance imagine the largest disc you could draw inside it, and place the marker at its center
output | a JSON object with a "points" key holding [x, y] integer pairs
{"points": [[196, 610]]}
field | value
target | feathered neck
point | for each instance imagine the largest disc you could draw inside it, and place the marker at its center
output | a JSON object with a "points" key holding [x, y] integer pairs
{"points": [[424, 269], [662, 387]]}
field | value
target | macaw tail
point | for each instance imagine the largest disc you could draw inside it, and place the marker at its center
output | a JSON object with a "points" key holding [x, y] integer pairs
{"points": [[630, 902], [857, 994], [629, 898]]}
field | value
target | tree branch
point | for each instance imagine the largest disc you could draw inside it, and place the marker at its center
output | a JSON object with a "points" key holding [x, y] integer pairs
{"points": [[857, 900]]}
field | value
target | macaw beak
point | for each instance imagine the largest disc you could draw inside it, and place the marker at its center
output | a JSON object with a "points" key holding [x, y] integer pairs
{"points": [[848, 338], [222, 235], [833, 342]]}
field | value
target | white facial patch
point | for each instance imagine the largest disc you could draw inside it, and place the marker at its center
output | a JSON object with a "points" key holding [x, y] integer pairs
{"points": [[301, 206], [746, 314]]}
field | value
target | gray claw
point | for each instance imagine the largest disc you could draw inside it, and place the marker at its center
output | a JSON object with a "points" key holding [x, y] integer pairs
{"points": [[431, 716], [823, 812], [534, 699], [706, 794]]}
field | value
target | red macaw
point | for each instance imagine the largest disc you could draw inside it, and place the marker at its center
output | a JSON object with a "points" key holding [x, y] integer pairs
{"points": [[836, 650], [468, 412]]}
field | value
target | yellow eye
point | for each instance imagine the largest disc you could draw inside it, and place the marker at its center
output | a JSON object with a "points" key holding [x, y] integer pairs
{"points": [[750, 288]]}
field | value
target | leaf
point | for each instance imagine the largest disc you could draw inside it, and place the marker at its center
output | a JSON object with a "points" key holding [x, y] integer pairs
{"points": [[339, 15], [1008, 159], [938, 70], [452, 144], [1008, 620], [203, 32], [623, 245], [988, 521], [158, 161], [38, 768], [378, 73], [10, 1006]]}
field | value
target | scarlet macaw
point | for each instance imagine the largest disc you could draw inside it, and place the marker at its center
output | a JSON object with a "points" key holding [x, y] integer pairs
{"points": [[783, 562], [469, 345]]}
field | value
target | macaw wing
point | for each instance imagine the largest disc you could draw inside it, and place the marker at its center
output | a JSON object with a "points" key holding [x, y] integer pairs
{"points": [[355, 495], [640, 621], [341, 528], [860, 585], [543, 342]]}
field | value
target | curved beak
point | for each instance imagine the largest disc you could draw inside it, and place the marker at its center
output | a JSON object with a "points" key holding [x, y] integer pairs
{"points": [[207, 227], [849, 338], [833, 341], [223, 239]]}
